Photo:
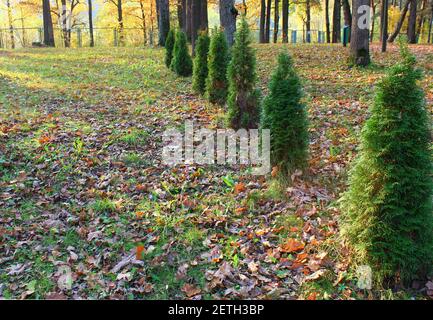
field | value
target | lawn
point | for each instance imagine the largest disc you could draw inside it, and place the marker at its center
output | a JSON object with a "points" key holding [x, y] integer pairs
{"points": [[87, 209]]}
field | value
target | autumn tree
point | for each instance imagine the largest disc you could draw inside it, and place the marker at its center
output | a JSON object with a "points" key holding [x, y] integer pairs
{"points": [[90, 11], [285, 22], [387, 211], [336, 22], [48, 23], [400, 22], [327, 23], [163, 18], [411, 28], [360, 45], [262, 21], [228, 14], [243, 97]]}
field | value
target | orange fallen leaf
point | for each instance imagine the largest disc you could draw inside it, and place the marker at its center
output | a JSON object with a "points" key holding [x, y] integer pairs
{"points": [[139, 214], [292, 245], [312, 296], [239, 187], [274, 171], [139, 253], [241, 210]]}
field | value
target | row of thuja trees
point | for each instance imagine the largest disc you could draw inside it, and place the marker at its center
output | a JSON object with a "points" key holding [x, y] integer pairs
{"points": [[227, 76], [387, 213]]}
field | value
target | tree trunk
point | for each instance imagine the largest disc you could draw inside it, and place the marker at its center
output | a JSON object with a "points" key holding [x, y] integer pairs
{"points": [[421, 19], [188, 18], [411, 29], [308, 20], [120, 21], [143, 22], [327, 24], [268, 21], [64, 21], [373, 7], [347, 13], [285, 9], [359, 46], [399, 22], [262, 21], [430, 25], [276, 19], [181, 14], [384, 24], [204, 21], [152, 24], [11, 26], [163, 13], [48, 24], [195, 21], [228, 14], [336, 22], [92, 39]]}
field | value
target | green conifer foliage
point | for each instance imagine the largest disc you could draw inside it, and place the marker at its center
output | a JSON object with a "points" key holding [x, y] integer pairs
{"points": [[286, 117], [243, 98], [216, 82], [200, 68], [169, 44], [387, 210], [181, 62]]}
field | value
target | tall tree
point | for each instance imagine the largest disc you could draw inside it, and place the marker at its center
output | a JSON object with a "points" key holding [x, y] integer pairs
{"points": [[120, 24], [336, 22], [90, 7], [262, 21], [11, 26], [399, 22], [268, 21], [359, 44], [285, 9], [276, 19], [430, 25], [373, 12], [411, 28], [188, 14], [327, 24], [48, 24], [181, 14], [347, 14], [228, 14], [163, 14], [308, 19], [384, 24]]}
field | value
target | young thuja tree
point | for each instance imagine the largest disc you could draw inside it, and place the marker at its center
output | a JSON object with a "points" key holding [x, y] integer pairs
{"points": [[216, 82], [387, 211], [169, 44], [285, 115], [200, 68], [181, 62], [243, 98]]}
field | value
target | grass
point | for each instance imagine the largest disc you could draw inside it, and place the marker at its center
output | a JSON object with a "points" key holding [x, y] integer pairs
{"points": [[80, 144]]}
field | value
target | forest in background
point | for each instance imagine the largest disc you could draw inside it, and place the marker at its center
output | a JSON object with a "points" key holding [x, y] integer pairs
{"points": [[138, 20]]}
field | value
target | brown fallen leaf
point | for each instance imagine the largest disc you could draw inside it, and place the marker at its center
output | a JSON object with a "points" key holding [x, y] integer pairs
{"points": [[239, 187], [190, 290], [292, 245]]}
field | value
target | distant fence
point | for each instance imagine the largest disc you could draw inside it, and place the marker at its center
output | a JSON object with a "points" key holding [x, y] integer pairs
{"points": [[135, 37]]}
